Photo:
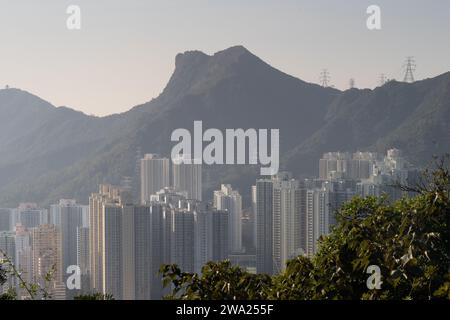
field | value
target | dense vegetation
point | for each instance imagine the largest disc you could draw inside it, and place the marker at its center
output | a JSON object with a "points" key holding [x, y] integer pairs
{"points": [[409, 241]]}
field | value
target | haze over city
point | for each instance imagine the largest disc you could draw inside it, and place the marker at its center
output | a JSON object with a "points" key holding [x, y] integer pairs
{"points": [[124, 55], [235, 153]]}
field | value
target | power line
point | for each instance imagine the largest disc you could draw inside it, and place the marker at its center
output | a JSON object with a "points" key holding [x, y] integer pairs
{"points": [[324, 78], [410, 67], [351, 83]]}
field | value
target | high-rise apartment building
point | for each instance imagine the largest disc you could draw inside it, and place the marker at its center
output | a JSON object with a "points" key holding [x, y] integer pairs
{"points": [[160, 248], [253, 214], [123, 242], [343, 165], [30, 216], [220, 236], [182, 237], [321, 207], [105, 241], [333, 165], [68, 216], [264, 227], [128, 246], [83, 258], [188, 177], [143, 234], [211, 235], [288, 220], [46, 259], [317, 217], [23, 257], [6, 219], [202, 239], [230, 200], [154, 175], [186, 232]]}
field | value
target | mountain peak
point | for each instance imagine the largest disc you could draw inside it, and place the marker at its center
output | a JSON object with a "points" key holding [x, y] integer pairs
{"points": [[13, 91], [234, 51], [188, 58], [17, 99], [195, 71], [195, 57]]}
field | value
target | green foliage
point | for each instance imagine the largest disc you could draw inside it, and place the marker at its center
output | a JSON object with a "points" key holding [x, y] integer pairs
{"points": [[34, 290], [409, 240], [9, 295], [218, 280], [296, 283], [3, 274]]}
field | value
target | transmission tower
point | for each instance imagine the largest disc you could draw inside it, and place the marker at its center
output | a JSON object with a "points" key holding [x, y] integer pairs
{"points": [[351, 83], [410, 67], [324, 78]]}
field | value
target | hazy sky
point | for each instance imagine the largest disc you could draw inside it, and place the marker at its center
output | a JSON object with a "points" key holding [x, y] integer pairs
{"points": [[124, 53]]}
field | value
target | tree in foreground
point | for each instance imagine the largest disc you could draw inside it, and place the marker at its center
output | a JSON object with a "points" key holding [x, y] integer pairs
{"points": [[408, 240], [218, 281], [33, 291]]}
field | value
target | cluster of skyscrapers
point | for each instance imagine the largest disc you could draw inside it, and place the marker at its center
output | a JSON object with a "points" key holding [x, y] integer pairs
{"points": [[118, 243], [42, 244], [291, 215]]}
